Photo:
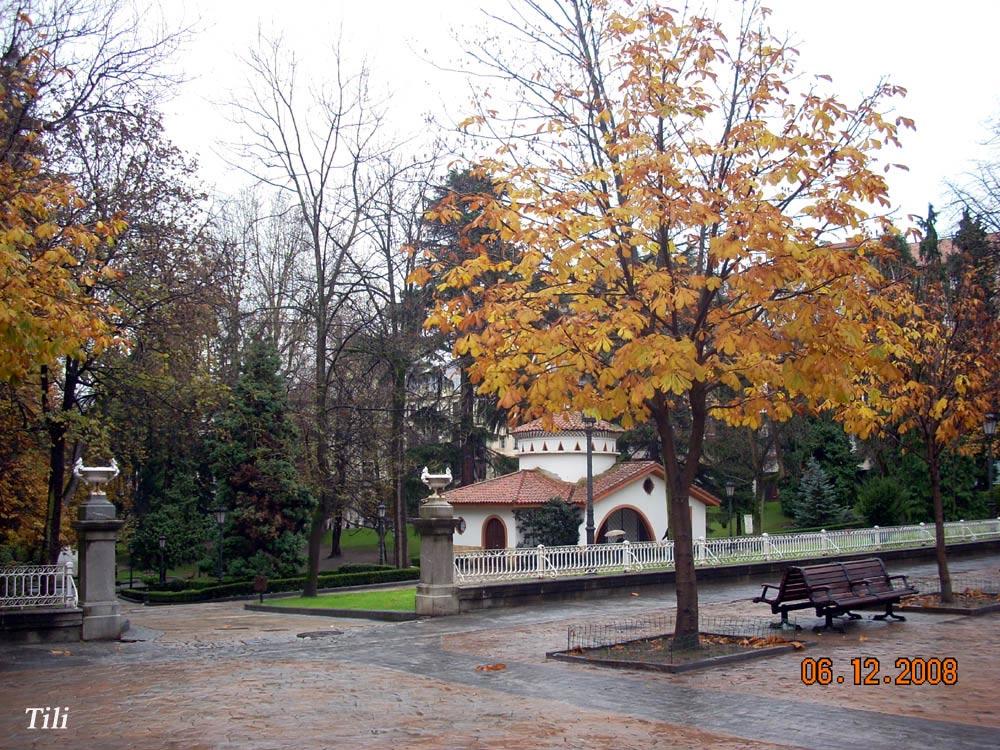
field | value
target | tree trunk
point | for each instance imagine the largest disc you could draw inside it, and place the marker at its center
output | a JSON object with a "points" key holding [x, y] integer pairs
{"points": [[934, 467], [57, 490], [759, 495], [400, 551], [322, 427], [679, 478], [467, 404], [335, 532]]}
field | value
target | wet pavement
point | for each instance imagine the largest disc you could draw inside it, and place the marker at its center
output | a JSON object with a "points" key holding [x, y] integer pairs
{"points": [[217, 676]]}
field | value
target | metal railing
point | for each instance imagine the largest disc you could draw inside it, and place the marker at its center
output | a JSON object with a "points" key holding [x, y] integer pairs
{"points": [[539, 562], [23, 586]]}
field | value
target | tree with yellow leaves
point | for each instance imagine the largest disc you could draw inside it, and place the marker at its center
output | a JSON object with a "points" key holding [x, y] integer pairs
{"points": [[691, 235], [950, 377]]}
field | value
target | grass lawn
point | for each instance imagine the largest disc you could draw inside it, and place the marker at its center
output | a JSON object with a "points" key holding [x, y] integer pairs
{"points": [[775, 522], [367, 539], [393, 600]]}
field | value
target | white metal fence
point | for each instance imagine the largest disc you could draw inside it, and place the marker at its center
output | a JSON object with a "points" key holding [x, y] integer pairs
{"points": [[539, 562], [24, 586]]}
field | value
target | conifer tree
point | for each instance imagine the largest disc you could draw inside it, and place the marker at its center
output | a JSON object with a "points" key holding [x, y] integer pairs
{"points": [[256, 477], [816, 504]]}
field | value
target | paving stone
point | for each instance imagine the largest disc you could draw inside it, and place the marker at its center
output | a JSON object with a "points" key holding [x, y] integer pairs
{"points": [[217, 676]]}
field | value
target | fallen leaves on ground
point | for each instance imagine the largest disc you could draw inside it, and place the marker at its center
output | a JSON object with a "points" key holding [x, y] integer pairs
{"points": [[969, 597], [491, 667]]}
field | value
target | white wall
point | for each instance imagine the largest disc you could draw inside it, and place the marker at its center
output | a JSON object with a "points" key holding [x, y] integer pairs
{"points": [[652, 505], [570, 467], [568, 464], [475, 517]]}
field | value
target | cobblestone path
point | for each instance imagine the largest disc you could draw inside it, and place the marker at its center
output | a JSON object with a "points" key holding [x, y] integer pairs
{"points": [[216, 676]]}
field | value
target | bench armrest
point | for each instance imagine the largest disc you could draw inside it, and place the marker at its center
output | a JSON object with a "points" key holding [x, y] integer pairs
{"points": [[763, 593], [906, 584]]}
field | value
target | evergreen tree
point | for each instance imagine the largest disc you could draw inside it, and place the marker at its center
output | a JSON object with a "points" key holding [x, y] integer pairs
{"points": [[256, 477], [976, 251], [825, 442], [930, 253], [553, 524], [816, 502]]}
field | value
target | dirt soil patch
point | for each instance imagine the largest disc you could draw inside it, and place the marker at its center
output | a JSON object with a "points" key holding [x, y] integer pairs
{"points": [[971, 601], [667, 654]]}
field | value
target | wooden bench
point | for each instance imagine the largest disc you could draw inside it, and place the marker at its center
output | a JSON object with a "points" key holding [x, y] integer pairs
{"points": [[835, 589]]}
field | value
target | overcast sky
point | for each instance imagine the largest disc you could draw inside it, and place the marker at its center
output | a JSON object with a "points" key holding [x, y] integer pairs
{"points": [[943, 53]]}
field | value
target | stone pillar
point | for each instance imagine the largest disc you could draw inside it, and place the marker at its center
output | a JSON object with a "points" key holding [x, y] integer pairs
{"points": [[97, 529], [436, 593]]}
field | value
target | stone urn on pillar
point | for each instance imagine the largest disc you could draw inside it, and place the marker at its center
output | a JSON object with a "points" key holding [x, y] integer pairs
{"points": [[97, 528], [436, 524]]}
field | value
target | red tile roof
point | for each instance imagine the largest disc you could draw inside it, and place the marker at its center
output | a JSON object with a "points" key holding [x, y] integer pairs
{"points": [[534, 486], [565, 422], [525, 487]]}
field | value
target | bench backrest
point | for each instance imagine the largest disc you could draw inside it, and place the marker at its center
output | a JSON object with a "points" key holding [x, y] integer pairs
{"points": [[793, 586], [872, 570], [832, 576]]}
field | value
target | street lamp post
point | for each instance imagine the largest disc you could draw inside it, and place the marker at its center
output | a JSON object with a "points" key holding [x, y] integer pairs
{"points": [[381, 533], [163, 562], [588, 428], [990, 427], [219, 514], [730, 489]]}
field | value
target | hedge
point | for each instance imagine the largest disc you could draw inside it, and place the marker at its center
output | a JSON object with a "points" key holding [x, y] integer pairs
{"points": [[364, 567], [181, 584], [276, 585], [184, 584]]}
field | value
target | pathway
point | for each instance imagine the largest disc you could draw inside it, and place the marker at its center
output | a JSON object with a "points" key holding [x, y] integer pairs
{"points": [[216, 676]]}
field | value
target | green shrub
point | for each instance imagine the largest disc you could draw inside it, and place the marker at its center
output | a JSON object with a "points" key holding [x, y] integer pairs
{"points": [[362, 567], [276, 585], [554, 523], [883, 502], [182, 584]]}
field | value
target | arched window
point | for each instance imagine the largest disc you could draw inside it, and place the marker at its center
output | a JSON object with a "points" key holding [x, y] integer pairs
{"points": [[494, 534]]}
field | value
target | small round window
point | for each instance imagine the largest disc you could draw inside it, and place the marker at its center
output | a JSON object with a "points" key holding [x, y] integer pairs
{"points": [[648, 485]]}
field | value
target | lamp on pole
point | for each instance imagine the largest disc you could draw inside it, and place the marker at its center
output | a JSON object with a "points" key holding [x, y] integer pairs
{"points": [[381, 533], [588, 428], [730, 489], [219, 514], [990, 427], [163, 563]]}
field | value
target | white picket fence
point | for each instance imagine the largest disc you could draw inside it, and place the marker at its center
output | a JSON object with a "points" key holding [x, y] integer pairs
{"points": [[538, 562], [23, 586]]}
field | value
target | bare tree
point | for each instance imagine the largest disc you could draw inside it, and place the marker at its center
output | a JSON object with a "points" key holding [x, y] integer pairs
{"points": [[979, 193], [315, 148]]}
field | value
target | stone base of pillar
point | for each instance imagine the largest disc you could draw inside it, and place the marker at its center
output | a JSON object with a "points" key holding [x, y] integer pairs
{"points": [[435, 601], [436, 594], [102, 620], [102, 627]]}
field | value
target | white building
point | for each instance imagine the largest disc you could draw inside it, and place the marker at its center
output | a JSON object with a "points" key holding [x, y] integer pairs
{"points": [[629, 496]]}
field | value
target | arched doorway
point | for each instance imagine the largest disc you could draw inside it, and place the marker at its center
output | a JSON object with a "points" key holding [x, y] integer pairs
{"points": [[629, 520], [494, 534]]}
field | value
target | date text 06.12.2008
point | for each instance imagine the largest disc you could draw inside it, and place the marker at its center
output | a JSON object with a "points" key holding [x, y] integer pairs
{"points": [[867, 670]]}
